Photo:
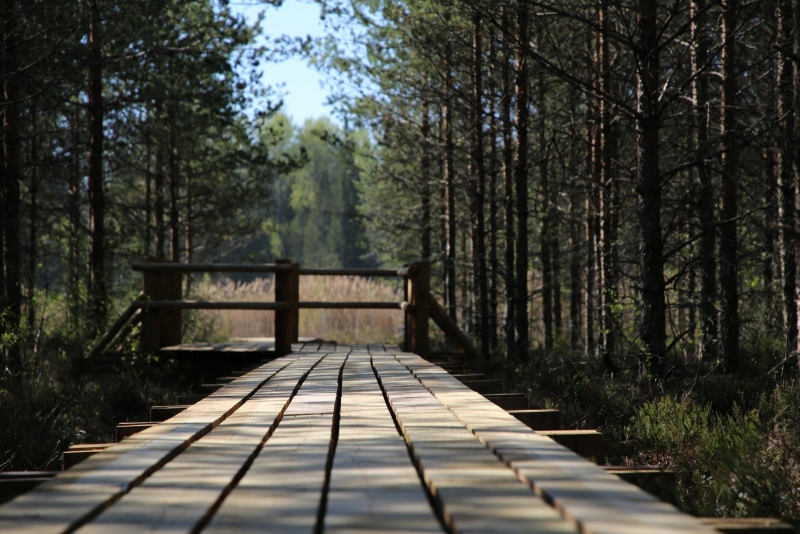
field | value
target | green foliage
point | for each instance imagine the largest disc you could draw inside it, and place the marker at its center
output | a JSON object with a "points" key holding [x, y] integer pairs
{"points": [[315, 219], [744, 463]]}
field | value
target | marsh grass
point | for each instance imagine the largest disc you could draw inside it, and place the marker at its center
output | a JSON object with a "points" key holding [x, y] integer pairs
{"points": [[344, 326]]}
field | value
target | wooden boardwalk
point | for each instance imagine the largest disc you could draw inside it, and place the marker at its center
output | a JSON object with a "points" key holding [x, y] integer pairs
{"points": [[333, 438]]}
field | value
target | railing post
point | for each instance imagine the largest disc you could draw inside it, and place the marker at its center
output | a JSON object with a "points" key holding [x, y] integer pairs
{"points": [[286, 290], [418, 328], [161, 328], [294, 300], [407, 313]]}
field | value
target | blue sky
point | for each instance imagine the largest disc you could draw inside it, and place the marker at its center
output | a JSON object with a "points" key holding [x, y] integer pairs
{"points": [[304, 96]]}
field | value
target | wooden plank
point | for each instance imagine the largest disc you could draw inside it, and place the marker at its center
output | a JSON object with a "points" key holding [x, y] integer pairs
{"points": [[476, 492], [98, 481], [374, 487], [177, 497], [282, 489], [596, 501]]}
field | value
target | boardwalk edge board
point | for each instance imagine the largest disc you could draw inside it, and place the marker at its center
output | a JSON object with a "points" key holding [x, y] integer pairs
{"points": [[583, 492], [93, 474]]}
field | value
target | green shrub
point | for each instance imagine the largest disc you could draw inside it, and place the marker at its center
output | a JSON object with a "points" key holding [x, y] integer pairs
{"points": [[744, 463]]}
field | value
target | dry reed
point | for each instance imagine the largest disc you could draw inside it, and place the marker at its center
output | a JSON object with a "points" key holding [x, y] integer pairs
{"points": [[345, 326]]}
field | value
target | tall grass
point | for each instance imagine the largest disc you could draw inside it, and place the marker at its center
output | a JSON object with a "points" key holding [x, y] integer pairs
{"points": [[345, 326]]}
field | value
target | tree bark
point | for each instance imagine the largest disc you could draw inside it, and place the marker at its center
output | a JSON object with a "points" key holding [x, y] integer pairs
{"points": [[97, 200], [521, 182], [478, 195], [74, 213], [705, 199], [148, 180], [546, 238], [493, 221], [575, 215], [608, 203], [648, 184], [450, 190], [33, 215], [425, 190], [159, 198], [188, 225], [508, 183], [9, 189], [174, 224], [728, 246]]}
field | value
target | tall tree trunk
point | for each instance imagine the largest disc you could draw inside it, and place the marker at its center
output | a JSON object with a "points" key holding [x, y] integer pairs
{"points": [[521, 182], [648, 184], [33, 215], [493, 221], [508, 183], [174, 224], [148, 179], [796, 158], [590, 235], [74, 213], [705, 198], [425, 189], [608, 200], [159, 200], [546, 238], [188, 224], [575, 210], [97, 200], [728, 246], [478, 196], [788, 187], [9, 189], [450, 189], [443, 236]]}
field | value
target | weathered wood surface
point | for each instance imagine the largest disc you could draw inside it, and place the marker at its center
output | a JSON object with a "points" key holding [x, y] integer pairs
{"points": [[334, 438], [597, 501]]}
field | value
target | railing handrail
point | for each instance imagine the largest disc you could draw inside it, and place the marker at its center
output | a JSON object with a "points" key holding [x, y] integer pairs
{"points": [[262, 268], [210, 267]]}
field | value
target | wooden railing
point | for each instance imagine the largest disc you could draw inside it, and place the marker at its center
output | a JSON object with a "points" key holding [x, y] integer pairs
{"points": [[159, 307]]}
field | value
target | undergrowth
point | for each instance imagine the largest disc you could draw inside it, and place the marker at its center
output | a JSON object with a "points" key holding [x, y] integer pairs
{"points": [[733, 441]]}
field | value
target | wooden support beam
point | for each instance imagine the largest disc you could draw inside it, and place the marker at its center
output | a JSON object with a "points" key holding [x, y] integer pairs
{"points": [[78, 453], [191, 399], [351, 305], [225, 379], [390, 273], [486, 386], [154, 305], [125, 430], [539, 419], [418, 312], [468, 376], [162, 413], [451, 330], [14, 483], [161, 327], [653, 479], [748, 525], [509, 401], [587, 443], [286, 284]]}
